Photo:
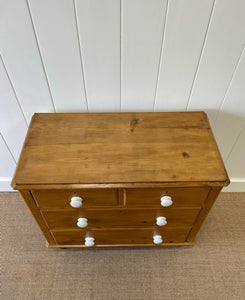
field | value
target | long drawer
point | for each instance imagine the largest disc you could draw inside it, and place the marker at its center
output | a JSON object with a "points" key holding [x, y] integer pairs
{"points": [[119, 237], [181, 197], [116, 218], [62, 198]]}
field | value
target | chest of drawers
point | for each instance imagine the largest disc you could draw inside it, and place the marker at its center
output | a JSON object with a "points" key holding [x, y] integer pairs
{"points": [[119, 179]]}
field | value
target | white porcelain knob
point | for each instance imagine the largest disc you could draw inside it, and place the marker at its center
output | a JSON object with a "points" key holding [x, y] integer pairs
{"points": [[82, 222], [161, 221], [166, 201], [89, 241], [157, 239], [76, 201]]}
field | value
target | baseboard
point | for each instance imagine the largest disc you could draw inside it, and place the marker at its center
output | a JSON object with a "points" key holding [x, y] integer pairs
{"points": [[5, 185], [236, 185]]}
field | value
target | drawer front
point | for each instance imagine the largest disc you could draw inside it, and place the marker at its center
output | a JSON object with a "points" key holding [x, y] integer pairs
{"points": [[62, 198], [121, 218], [181, 197], [118, 237]]}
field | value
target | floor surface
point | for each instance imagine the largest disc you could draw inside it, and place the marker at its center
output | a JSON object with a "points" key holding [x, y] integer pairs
{"points": [[213, 268]]}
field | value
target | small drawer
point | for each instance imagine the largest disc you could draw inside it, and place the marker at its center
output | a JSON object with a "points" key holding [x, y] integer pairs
{"points": [[120, 218], [129, 237], [175, 197], [89, 198]]}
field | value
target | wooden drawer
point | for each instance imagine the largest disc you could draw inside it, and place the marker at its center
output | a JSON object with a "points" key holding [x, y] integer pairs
{"points": [[62, 198], [130, 237], [181, 197], [120, 217]]}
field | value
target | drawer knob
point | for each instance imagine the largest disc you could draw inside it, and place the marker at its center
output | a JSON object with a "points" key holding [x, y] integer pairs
{"points": [[76, 202], [89, 241], [166, 201], [82, 222], [161, 221], [157, 239]]}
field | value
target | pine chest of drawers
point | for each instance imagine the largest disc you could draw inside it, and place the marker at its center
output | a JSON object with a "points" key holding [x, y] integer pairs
{"points": [[120, 179]]}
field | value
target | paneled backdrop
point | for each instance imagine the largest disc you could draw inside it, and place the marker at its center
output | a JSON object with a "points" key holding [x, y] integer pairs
{"points": [[128, 55]]}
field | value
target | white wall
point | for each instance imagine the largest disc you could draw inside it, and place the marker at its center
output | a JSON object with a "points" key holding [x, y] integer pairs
{"points": [[128, 55]]}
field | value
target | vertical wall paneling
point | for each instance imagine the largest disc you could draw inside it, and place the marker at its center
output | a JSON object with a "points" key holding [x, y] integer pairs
{"points": [[142, 33], [235, 162], [181, 51], [55, 26], [12, 123], [231, 117], [99, 32], [123, 55], [7, 166], [21, 57], [222, 49]]}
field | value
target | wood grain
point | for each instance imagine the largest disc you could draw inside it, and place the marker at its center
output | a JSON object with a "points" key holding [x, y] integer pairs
{"points": [[62, 198], [120, 165], [120, 218], [119, 148], [37, 215], [203, 213], [181, 197], [128, 185], [131, 237], [62, 246]]}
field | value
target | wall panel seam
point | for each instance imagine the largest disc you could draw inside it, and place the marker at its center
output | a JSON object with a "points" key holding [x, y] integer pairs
{"points": [[161, 52], [80, 52], [121, 63], [13, 89], [8, 147], [201, 54], [232, 148], [229, 85], [40, 55]]}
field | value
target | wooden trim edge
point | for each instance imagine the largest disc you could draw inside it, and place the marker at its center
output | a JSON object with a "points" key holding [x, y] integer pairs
{"points": [[203, 213], [227, 181], [122, 245], [120, 185], [25, 194]]}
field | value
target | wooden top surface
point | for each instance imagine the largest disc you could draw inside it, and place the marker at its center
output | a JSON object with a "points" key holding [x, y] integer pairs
{"points": [[84, 148]]}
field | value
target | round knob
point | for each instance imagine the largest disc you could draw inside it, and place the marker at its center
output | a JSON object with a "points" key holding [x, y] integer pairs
{"points": [[82, 222], [76, 202], [89, 241], [161, 221], [166, 201], [157, 239]]}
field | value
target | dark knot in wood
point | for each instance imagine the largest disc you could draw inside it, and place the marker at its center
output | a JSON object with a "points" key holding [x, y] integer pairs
{"points": [[133, 124]]}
